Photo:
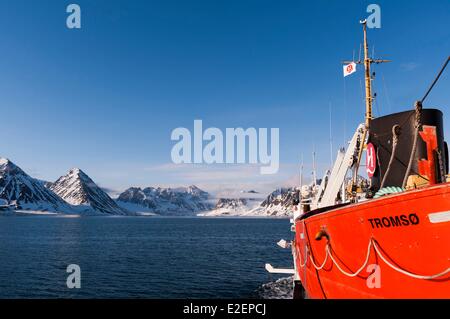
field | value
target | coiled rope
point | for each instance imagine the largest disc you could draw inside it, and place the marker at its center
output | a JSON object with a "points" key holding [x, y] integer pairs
{"points": [[374, 244], [387, 191]]}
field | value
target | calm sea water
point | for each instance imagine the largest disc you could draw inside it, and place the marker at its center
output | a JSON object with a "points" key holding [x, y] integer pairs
{"points": [[139, 257]]}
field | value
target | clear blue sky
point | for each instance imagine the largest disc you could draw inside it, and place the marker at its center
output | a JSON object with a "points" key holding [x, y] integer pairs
{"points": [[106, 98]]}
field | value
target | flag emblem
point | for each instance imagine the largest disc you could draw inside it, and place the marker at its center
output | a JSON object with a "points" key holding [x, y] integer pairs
{"points": [[349, 69]]}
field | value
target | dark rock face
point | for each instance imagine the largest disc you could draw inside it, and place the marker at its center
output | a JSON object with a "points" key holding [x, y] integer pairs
{"points": [[283, 197], [279, 202], [79, 190], [24, 192]]}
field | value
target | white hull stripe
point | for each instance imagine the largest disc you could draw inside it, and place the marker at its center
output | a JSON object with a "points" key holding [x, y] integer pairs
{"points": [[441, 217]]}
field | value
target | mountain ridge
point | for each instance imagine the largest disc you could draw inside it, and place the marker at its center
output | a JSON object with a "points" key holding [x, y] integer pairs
{"points": [[22, 191], [75, 192], [80, 191], [165, 201]]}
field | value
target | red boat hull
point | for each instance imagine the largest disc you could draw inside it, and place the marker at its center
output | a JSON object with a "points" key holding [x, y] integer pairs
{"points": [[405, 234]]}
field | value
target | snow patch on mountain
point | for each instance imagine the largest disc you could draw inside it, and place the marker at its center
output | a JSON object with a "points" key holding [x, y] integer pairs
{"points": [[232, 207], [165, 201]]}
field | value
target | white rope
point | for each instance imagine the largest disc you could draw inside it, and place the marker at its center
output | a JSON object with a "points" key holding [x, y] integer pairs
{"points": [[359, 270], [324, 262], [377, 251], [300, 256], [409, 273], [306, 258]]}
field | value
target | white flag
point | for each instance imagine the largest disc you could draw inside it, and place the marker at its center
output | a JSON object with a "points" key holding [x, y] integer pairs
{"points": [[349, 69]]}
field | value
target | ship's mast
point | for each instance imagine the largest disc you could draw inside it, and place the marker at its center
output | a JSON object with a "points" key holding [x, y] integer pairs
{"points": [[367, 74], [369, 97], [368, 80]]}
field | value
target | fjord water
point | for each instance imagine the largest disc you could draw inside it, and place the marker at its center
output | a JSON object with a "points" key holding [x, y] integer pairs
{"points": [[139, 257]]}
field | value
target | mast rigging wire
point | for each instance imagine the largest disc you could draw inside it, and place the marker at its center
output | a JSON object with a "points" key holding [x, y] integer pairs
{"points": [[436, 79]]}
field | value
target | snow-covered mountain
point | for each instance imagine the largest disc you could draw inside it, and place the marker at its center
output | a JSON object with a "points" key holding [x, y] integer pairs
{"points": [[24, 192], [80, 191], [277, 204], [76, 192], [165, 201], [232, 207]]}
